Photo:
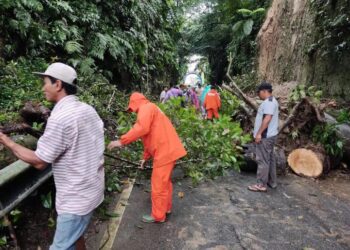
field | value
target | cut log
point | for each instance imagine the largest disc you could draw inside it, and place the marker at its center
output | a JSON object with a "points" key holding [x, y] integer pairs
{"points": [[309, 163]]}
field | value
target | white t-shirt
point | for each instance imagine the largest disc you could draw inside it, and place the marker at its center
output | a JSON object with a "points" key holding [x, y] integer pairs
{"points": [[162, 95], [267, 107]]}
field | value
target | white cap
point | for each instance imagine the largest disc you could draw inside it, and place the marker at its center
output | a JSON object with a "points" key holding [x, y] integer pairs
{"points": [[61, 72]]}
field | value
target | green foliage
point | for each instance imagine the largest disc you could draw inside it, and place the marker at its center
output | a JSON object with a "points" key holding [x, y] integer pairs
{"points": [[3, 241], [8, 116], [113, 182], [229, 103], [213, 147], [51, 222], [333, 33], [15, 214], [38, 126], [327, 135], [244, 27], [135, 40], [226, 27], [343, 116], [46, 200], [302, 91], [19, 84], [247, 82]]}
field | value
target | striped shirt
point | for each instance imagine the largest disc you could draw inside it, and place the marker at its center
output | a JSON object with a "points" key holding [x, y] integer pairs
{"points": [[73, 142]]}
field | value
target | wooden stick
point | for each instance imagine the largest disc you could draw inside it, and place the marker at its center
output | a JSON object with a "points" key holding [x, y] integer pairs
{"points": [[136, 164], [292, 115], [128, 167], [121, 159], [316, 109], [110, 101], [10, 227], [233, 88]]}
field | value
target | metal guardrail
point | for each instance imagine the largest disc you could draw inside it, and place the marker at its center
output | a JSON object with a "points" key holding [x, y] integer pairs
{"points": [[17, 182]]}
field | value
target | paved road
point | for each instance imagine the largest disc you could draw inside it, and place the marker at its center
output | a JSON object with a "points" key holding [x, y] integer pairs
{"points": [[223, 214]]}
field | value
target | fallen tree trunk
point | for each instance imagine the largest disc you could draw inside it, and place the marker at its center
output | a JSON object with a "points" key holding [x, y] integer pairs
{"points": [[308, 163], [251, 163]]}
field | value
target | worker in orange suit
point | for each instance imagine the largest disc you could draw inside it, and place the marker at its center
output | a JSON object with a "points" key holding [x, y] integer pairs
{"points": [[161, 143], [212, 103]]}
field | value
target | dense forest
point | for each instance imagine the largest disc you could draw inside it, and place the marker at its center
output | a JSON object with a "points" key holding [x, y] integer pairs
{"points": [[130, 43]]}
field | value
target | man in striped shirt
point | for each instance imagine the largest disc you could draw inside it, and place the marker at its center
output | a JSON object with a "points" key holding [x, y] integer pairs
{"points": [[73, 142]]}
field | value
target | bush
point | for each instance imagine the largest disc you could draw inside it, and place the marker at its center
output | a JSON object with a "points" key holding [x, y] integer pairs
{"points": [[19, 84], [326, 134], [213, 147], [229, 103]]}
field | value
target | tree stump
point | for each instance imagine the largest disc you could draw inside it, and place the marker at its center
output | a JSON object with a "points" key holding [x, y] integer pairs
{"points": [[309, 163]]}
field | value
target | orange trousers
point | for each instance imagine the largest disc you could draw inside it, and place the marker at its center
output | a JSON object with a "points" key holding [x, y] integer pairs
{"points": [[211, 112], [162, 190]]}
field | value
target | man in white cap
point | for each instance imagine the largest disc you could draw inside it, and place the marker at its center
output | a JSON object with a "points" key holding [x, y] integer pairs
{"points": [[73, 142]]}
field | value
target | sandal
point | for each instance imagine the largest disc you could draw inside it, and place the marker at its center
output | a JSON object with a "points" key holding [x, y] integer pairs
{"points": [[257, 188], [150, 219]]}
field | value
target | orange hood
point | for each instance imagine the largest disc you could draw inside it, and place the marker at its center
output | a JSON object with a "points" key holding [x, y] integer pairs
{"points": [[136, 101]]}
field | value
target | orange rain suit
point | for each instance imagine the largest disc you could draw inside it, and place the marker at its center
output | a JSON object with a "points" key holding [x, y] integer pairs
{"points": [[162, 143], [212, 104]]}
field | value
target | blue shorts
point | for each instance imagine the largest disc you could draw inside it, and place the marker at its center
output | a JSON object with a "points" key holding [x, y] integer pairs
{"points": [[69, 229]]}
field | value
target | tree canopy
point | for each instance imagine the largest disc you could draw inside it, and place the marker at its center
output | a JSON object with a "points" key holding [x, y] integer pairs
{"points": [[132, 43], [224, 26]]}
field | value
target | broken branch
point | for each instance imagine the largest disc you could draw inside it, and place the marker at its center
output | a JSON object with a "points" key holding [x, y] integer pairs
{"points": [[233, 88], [20, 128], [292, 115], [121, 159]]}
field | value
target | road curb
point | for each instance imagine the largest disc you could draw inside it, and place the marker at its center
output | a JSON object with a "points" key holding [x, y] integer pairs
{"points": [[113, 226]]}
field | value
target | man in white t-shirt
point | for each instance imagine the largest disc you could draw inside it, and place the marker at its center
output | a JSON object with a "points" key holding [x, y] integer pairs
{"points": [[73, 142], [163, 94], [265, 135]]}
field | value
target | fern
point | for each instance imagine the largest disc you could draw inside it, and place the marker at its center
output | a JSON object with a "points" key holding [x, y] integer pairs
{"points": [[87, 66], [33, 5], [131, 33], [73, 47], [64, 6]]}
